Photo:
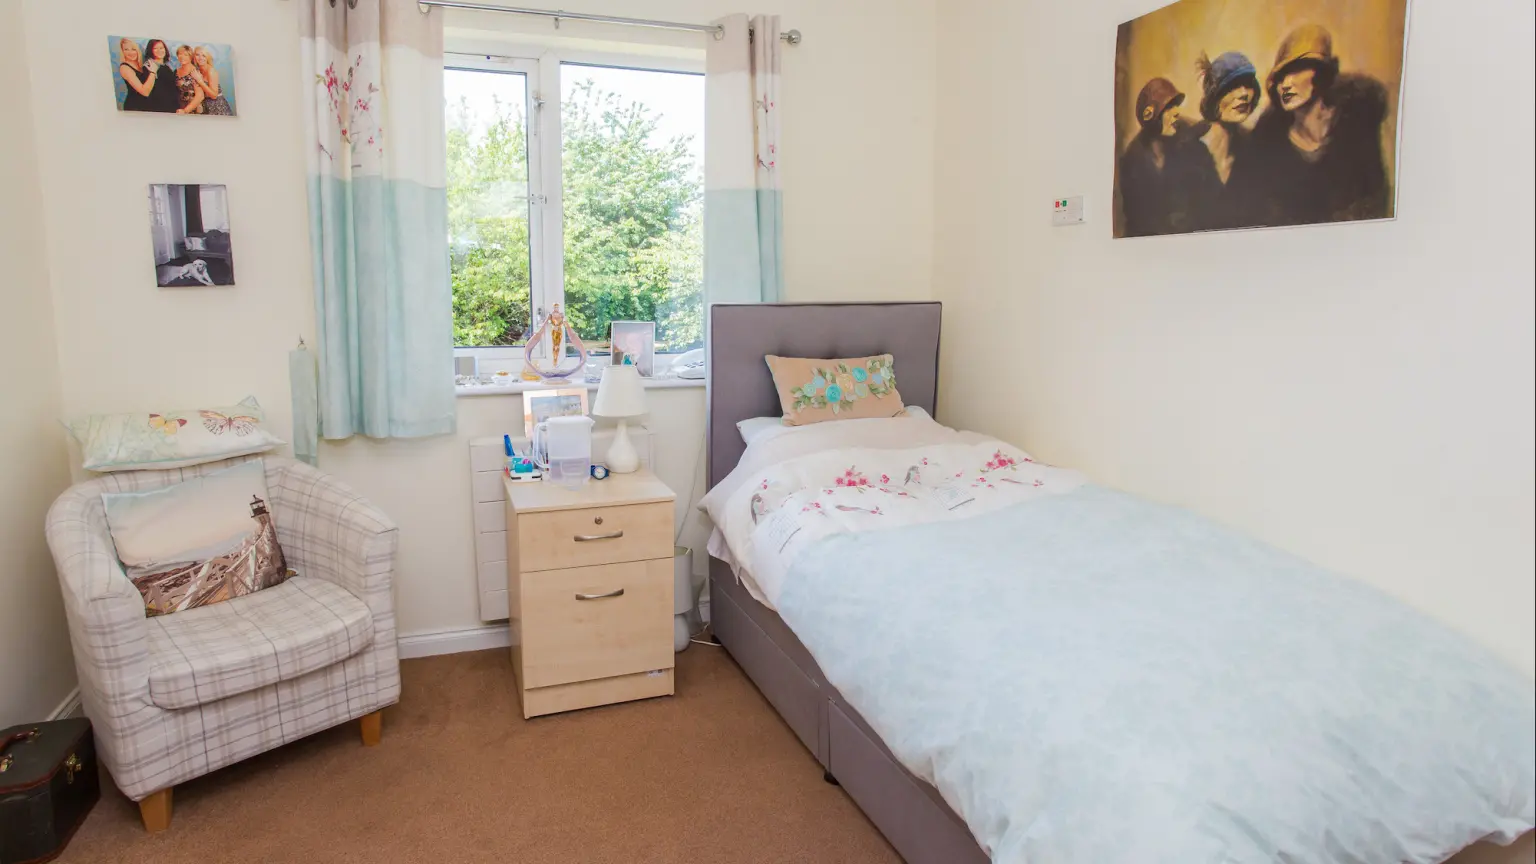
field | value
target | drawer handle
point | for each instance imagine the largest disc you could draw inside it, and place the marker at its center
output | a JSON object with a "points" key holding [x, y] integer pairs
{"points": [[588, 538], [618, 593]]}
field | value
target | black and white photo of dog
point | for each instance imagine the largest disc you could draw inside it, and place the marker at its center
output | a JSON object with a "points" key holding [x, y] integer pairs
{"points": [[197, 270], [189, 229]]}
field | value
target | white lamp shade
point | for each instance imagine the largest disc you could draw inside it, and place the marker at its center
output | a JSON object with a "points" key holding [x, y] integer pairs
{"points": [[620, 394]]}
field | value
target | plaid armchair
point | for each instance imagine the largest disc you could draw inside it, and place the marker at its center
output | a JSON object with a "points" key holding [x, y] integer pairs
{"points": [[177, 696]]}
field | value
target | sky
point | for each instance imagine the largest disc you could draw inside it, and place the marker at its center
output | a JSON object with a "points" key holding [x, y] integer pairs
{"points": [[675, 99]]}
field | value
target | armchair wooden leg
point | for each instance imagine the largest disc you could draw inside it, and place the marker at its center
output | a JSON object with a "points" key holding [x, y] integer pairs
{"points": [[156, 811], [373, 728]]}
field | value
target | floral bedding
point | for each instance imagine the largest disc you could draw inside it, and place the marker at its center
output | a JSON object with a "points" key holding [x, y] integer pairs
{"points": [[784, 508]]}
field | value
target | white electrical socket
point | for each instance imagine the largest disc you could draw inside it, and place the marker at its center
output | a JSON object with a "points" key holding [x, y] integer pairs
{"points": [[1067, 211]]}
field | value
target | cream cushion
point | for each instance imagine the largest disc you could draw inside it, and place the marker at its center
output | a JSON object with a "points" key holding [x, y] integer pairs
{"points": [[213, 652], [814, 391]]}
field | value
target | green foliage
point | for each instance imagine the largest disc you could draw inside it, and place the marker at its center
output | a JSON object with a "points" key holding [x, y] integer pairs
{"points": [[633, 224]]}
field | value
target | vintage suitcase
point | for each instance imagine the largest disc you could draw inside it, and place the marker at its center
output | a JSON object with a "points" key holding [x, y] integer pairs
{"points": [[48, 783]]}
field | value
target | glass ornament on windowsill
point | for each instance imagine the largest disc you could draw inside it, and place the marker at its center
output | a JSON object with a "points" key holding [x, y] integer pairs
{"points": [[560, 335]]}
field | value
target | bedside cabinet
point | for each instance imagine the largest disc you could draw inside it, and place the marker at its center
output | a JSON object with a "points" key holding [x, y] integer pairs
{"points": [[589, 591]]}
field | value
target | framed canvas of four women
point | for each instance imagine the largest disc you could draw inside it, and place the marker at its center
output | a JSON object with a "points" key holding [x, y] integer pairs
{"points": [[171, 76]]}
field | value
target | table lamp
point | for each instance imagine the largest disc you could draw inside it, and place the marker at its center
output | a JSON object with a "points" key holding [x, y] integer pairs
{"points": [[620, 395]]}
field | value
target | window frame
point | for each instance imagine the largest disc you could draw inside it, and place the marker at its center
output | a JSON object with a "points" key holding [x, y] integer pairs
{"points": [[499, 356], [546, 207]]}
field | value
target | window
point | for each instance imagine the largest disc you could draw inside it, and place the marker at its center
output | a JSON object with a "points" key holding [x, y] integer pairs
{"points": [[579, 184], [490, 193]]}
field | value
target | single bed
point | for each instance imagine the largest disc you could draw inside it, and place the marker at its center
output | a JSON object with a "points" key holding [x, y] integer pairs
{"points": [[910, 812]]}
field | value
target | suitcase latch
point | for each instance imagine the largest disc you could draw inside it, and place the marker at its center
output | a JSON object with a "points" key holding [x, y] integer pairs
{"points": [[71, 765], [18, 738]]}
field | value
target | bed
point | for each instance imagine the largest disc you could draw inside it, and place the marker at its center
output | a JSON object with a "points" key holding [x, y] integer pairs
{"points": [[911, 812]]}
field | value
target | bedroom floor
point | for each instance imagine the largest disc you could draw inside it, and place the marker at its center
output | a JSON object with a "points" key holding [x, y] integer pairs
{"points": [[711, 775]]}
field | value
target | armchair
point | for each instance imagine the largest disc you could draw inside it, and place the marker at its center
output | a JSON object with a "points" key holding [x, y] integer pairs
{"points": [[178, 696]]}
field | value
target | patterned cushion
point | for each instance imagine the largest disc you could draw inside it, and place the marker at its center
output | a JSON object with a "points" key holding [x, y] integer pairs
{"points": [[171, 438], [811, 391], [201, 541], [210, 653]]}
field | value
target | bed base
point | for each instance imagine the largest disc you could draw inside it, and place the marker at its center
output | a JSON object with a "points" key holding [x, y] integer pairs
{"points": [[907, 810]]}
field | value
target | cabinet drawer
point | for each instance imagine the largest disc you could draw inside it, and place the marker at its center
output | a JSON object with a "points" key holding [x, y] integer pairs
{"points": [[584, 623], [599, 535]]}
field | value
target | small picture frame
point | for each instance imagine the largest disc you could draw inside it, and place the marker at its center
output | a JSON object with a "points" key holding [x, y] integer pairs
{"points": [[189, 233], [540, 405], [634, 344]]}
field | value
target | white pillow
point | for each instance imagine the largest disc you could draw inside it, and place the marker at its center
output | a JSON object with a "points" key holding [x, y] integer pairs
{"points": [[171, 439], [755, 429]]}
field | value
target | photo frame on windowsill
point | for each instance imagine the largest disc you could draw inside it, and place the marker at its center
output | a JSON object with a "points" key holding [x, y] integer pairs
{"points": [[540, 405], [634, 344]]}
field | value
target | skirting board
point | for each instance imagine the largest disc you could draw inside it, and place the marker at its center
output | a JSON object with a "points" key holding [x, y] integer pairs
{"points": [[70, 707], [431, 643]]}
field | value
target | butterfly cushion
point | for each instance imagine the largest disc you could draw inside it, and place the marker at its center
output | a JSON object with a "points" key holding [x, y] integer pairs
{"points": [[171, 439], [207, 539]]}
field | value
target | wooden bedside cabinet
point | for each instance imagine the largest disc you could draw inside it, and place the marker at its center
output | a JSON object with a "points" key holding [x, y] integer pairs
{"points": [[589, 591]]}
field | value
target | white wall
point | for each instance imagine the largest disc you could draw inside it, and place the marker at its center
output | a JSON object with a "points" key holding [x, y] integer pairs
{"points": [[858, 142], [1358, 394], [37, 671]]}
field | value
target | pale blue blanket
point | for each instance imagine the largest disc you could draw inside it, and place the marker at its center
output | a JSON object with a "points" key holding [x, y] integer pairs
{"points": [[1094, 678]]}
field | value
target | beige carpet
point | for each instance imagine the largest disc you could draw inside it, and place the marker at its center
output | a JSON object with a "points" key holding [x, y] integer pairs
{"points": [[710, 776]]}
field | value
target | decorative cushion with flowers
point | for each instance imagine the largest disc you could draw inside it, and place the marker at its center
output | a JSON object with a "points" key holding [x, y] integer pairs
{"points": [[812, 390]]}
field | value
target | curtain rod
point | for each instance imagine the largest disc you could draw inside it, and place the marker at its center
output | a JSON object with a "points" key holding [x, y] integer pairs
{"points": [[790, 36]]}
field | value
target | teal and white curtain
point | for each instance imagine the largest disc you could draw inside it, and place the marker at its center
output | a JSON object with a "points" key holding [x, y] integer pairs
{"points": [[378, 217], [743, 207]]}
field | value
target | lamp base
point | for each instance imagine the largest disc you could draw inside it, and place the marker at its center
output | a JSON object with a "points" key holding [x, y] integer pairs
{"points": [[622, 457]]}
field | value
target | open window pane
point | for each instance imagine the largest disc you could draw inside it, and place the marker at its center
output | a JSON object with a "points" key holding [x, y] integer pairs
{"points": [[488, 199], [633, 170]]}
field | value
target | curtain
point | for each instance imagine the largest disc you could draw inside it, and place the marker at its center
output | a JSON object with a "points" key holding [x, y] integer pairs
{"points": [[192, 202], [743, 207], [378, 218]]}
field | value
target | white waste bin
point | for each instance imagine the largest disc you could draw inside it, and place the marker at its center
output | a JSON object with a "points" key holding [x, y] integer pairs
{"points": [[682, 596]]}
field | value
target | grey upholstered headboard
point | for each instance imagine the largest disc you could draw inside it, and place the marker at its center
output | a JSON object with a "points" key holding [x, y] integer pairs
{"points": [[740, 335]]}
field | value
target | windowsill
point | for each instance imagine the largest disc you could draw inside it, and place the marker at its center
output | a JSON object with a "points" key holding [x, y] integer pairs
{"points": [[516, 385]]}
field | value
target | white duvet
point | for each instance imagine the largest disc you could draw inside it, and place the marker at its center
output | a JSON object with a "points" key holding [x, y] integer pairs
{"points": [[793, 489]]}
